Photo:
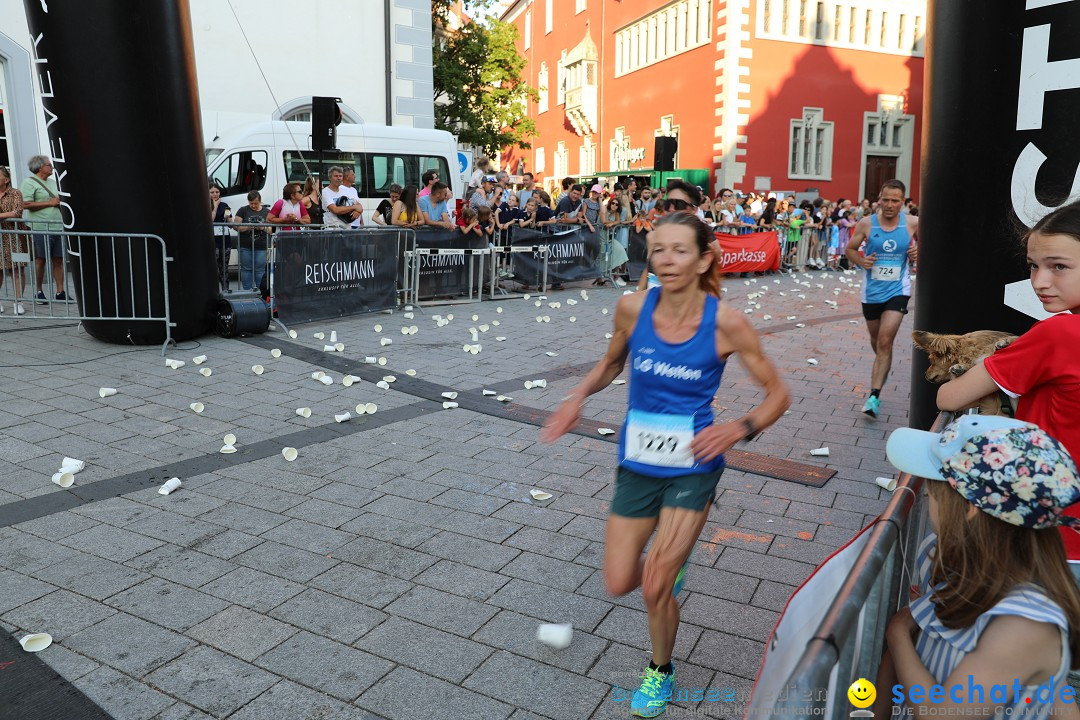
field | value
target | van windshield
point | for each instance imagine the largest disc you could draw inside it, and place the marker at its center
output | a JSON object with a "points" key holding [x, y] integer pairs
{"points": [[211, 155]]}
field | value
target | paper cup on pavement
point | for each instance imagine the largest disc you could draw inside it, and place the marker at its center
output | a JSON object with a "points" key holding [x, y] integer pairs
{"points": [[303, 412], [174, 364], [199, 360], [289, 453], [35, 642], [205, 372], [275, 353], [371, 408], [348, 380], [197, 407], [64, 479], [328, 348], [555, 635], [106, 392], [820, 452], [319, 336], [317, 375], [343, 417], [227, 449], [886, 483], [340, 347], [170, 485], [333, 336], [230, 439], [292, 334], [326, 380], [73, 465]]}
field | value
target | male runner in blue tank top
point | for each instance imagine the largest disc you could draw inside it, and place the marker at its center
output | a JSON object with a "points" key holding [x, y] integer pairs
{"points": [[671, 452], [891, 238]]}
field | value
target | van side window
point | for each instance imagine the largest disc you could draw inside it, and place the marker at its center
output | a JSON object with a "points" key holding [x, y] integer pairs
{"points": [[241, 172], [404, 170], [299, 165]]}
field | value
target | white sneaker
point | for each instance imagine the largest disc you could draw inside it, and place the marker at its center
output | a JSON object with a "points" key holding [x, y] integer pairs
{"points": [[19, 309], [620, 283]]}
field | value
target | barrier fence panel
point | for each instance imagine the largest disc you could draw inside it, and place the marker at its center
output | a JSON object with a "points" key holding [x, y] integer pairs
{"points": [[503, 257], [447, 265], [572, 256], [819, 662], [85, 276], [335, 273]]}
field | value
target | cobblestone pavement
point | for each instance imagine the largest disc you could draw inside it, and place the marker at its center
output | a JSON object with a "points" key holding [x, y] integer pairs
{"points": [[399, 568]]}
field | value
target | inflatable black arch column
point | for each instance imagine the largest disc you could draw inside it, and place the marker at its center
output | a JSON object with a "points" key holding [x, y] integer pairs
{"points": [[999, 152], [122, 112]]}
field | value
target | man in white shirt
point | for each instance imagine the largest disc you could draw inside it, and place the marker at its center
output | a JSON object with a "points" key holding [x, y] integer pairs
{"points": [[340, 202]]}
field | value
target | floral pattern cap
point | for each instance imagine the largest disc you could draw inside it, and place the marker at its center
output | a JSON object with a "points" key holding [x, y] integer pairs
{"points": [[1019, 475]]}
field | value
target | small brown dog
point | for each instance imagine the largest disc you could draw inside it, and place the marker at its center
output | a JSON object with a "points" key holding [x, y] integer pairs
{"points": [[952, 355]]}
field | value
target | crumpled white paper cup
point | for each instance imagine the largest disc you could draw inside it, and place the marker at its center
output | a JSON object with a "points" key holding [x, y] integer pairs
{"points": [[73, 465], [106, 392], [64, 479], [555, 635], [348, 380], [170, 485], [304, 412], [289, 453], [35, 642], [343, 417]]}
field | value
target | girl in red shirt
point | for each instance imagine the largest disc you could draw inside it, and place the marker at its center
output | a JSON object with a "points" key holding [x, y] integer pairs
{"points": [[1042, 367]]}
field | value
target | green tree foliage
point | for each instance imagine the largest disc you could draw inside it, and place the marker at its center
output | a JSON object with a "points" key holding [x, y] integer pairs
{"points": [[479, 93]]}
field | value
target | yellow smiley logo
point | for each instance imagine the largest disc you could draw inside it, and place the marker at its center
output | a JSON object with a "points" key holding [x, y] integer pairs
{"points": [[862, 693]]}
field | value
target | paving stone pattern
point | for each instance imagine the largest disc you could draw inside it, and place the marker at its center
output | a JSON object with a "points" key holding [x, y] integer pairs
{"points": [[399, 568]]}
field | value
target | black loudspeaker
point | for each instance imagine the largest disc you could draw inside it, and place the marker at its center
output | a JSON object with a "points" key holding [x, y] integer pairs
{"points": [[664, 153], [242, 316], [325, 117]]}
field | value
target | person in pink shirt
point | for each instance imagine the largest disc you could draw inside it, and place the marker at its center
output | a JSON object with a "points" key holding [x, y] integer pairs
{"points": [[429, 178]]}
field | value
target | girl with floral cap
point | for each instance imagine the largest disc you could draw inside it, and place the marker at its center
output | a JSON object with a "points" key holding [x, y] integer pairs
{"points": [[999, 610]]}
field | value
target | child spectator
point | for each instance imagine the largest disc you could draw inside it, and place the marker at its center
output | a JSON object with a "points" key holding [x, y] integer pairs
{"points": [[1041, 367], [484, 222], [467, 222], [998, 604], [509, 212]]}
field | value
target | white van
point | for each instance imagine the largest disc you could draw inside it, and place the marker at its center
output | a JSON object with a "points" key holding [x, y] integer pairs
{"points": [[265, 156]]}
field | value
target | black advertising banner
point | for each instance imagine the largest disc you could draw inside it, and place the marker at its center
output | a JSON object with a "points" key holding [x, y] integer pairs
{"points": [[104, 113], [572, 256], [327, 274], [1016, 161], [637, 252], [447, 274]]}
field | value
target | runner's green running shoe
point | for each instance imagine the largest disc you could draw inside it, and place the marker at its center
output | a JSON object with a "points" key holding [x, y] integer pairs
{"points": [[680, 578], [871, 406], [656, 690]]}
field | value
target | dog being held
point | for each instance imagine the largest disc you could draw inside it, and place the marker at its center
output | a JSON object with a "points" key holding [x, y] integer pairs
{"points": [[953, 355]]}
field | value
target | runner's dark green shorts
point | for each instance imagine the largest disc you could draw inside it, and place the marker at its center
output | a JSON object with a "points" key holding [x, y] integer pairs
{"points": [[638, 495]]}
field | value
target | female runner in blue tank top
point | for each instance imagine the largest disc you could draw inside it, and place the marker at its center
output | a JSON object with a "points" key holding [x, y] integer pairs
{"points": [[671, 453]]}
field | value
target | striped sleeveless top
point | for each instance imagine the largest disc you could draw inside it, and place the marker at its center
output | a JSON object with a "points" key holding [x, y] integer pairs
{"points": [[941, 649]]}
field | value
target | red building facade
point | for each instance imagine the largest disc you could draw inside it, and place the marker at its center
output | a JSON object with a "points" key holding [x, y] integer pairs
{"points": [[769, 95]]}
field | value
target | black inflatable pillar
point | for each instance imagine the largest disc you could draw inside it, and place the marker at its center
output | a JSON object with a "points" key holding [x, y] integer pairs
{"points": [[1002, 102], [122, 112]]}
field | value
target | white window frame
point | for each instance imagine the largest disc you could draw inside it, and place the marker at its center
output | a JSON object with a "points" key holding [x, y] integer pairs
{"points": [[580, 6], [542, 88], [562, 161], [560, 79], [686, 25], [804, 152], [549, 15], [868, 25], [587, 157], [528, 29], [539, 160]]}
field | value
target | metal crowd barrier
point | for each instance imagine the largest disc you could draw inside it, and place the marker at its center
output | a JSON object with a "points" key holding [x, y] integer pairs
{"points": [[134, 267], [848, 642], [414, 259], [502, 256]]}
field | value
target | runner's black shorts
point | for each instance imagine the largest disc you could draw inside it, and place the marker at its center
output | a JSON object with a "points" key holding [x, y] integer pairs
{"points": [[873, 311]]}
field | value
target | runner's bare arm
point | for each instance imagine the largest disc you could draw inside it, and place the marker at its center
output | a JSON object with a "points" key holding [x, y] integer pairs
{"points": [[913, 231], [739, 334], [858, 237], [566, 416]]}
